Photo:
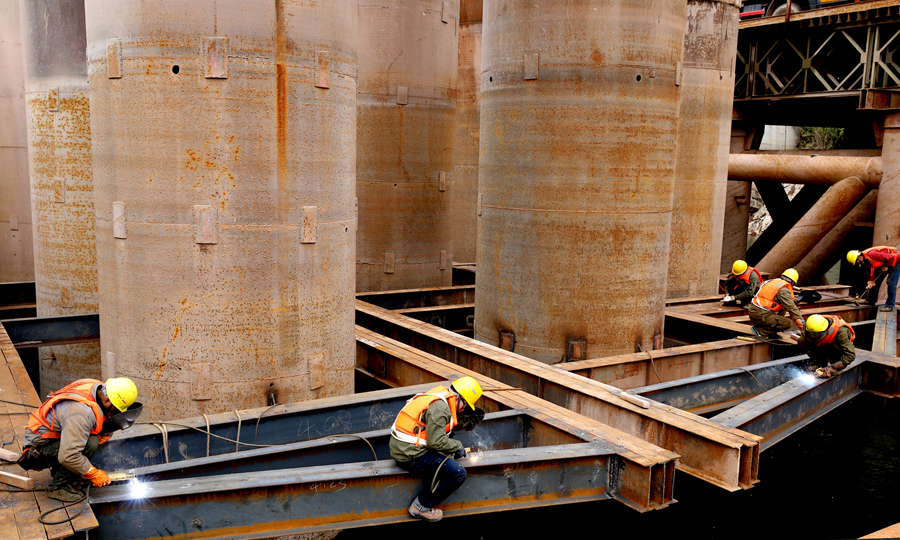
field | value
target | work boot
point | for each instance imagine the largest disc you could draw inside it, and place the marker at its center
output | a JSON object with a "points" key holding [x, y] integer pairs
{"points": [[418, 511], [65, 494], [886, 308]]}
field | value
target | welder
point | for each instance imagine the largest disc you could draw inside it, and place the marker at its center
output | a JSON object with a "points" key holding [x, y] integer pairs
{"points": [[741, 285], [828, 341], [421, 442], [775, 298]]}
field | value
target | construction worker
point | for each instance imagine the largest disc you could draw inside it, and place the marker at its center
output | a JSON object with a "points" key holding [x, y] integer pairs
{"points": [[881, 260], [421, 443], [828, 341], [775, 297], [66, 431], [741, 285]]}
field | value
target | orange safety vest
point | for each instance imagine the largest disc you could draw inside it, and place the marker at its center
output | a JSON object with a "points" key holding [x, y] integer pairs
{"points": [[79, 391], [765, 298], [831, 332], [745, 277], [410, 423], [879, 264]]}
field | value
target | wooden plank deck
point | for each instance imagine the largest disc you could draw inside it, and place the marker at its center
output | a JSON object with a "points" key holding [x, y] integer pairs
{"points": [[19, 512]]}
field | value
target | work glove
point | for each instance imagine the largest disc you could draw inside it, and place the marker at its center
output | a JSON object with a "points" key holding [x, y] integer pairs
{"points": [[799, 323], [104, 438], [460, 454], [870, 284], [728, 299], [97, 477]]}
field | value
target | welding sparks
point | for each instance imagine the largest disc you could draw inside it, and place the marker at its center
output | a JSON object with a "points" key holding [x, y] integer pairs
{"points": [[474, 457], [807, 379], [138, 490]]}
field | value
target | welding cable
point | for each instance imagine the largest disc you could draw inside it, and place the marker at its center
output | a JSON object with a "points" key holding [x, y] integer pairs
{"points": [[435, 481], [237, 443], [754, 378], [207, 434], [650, 356], [161, 426], [42, 517], [256, 433]]}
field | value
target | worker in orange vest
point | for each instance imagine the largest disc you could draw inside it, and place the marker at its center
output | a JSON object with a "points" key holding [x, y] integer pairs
{"points": [[881, 260], [421, 442], [741, 285], [828, 341], [774, 299], [67, 429]]}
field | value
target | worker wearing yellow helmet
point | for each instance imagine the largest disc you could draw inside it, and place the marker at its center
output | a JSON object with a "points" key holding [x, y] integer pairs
{"points": [[67, 429], [881, 261], [421, 443], [774, 300], [828, 341], [741, 285]]}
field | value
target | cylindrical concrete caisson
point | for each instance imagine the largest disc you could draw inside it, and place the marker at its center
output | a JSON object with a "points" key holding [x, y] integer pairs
{"points": [[225, 158], [579, 110], [62, 199], [407, 81], [16, 250], [704, 132]]}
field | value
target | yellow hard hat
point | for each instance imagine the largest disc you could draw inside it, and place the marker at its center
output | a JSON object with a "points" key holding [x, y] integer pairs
{"points": [[791, 274], [469, 389], [738, 268], [816, 323], [121, 392], [852, 256]]}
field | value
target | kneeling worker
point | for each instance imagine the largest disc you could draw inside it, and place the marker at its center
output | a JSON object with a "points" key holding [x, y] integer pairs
{"points": [[775, 297], [828, 341], [741, 285], [65, 432], [421, 443]]}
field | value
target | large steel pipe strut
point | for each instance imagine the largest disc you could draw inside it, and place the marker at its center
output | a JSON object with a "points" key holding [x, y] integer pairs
{"points": [[295, 501], [803, 169], [813, 226], [726, 458]]}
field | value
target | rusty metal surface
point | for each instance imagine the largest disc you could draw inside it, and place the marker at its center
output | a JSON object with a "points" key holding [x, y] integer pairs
{"points": [[16, 249], [737, 219], [406, 121], [464, 196], [828, 211], [828, 250], [578, 114], [470, 11], [815, 169], [62, 199], [224, 147], [887, 212], [704, 131]]}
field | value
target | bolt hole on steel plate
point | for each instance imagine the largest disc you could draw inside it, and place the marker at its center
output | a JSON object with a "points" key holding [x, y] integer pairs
{"points": [[176, 69], [638, 78]]}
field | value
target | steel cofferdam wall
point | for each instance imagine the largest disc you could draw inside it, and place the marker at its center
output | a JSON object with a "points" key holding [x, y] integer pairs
{"points": [[62, 200], [407, 87], [579, 109], [704, 131], [225, 146]]}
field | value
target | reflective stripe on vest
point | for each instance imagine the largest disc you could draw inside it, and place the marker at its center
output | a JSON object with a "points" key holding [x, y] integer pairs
{"points": [[410, 427], [765, 298], [745, 277], [879, 264], [79, 391], [836, 324]]}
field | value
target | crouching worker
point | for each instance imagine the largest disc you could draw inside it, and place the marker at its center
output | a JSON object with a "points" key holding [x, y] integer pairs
{"points": [[66, 431], [828, 341], [421, 444], [741, 285], [774, 300]]}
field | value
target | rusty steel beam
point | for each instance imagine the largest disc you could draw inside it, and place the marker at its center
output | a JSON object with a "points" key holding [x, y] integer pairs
{"points": [[825, 14], [849, 313], [833, 245], [813, 226], [724, 389], [325, 498], [413, 298], [629, 371], [781, 411], [723, 458], [814, 169], [881, 375], [884, 340]]}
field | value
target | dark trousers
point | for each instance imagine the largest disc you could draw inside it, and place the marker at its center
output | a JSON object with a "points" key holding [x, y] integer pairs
{"points": [[450, 477], [50, 460], [892, 277]]}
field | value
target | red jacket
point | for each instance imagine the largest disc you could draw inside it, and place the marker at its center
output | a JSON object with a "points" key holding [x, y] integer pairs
{"points": [[879, 256]]}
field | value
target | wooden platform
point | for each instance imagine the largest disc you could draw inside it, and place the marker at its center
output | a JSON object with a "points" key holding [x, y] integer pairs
{"points": [[20, 512]]}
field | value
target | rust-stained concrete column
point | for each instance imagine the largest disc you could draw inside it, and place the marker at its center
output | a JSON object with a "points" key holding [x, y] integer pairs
{"points": [[578, 132], [737, 209], [16, 249], [887, 214], [704, 129], [813, 226], [820, 259], [407, 86], [224, 157], [59, 153], [464, 193]]}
